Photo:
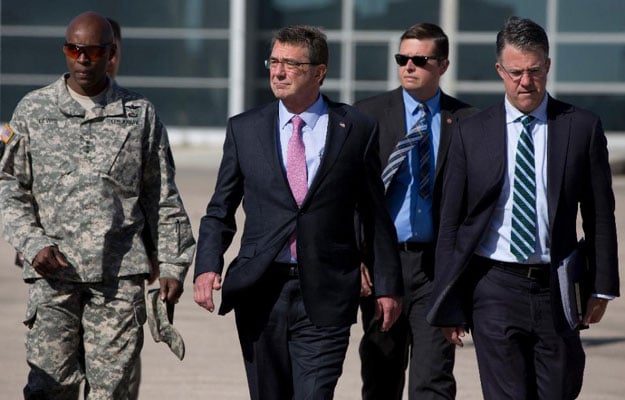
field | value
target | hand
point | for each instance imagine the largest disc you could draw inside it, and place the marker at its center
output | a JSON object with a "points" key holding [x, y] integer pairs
{"points": [[454, 334], [594, 311], [366, 286], [203, 289], [171, 290], [388, 308], [155, 271], [49, 260]]}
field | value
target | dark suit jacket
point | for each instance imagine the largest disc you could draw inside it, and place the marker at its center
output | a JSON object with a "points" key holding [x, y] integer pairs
{"points": [[389, 110], [578, 175], [348, 179]]}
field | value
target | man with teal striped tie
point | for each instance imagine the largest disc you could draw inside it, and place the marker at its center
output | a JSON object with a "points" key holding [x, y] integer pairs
{"points": [[518, 173]]}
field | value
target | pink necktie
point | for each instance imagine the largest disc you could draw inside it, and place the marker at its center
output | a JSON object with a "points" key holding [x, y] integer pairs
{"points": [[296, 172]]}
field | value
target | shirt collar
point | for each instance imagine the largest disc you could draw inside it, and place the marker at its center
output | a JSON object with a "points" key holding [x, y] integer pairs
{"points": [[540, 113], [433, 103], [310, 116]]}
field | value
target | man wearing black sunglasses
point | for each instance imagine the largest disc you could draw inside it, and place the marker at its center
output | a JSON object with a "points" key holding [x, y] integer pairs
{"points": [[413, 193], [87, 166]]}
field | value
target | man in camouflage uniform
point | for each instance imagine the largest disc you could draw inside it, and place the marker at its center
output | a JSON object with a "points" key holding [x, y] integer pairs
{"points": [[87, 165]]}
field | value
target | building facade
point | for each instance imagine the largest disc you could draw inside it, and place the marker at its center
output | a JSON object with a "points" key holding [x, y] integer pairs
{"points": [[201, 61]]}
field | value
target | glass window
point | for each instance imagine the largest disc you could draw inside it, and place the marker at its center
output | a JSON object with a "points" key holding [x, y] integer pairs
{"points": [[608, 108], [372, 62], [591, 16], [481, 100], [175, 57], [189, 107], [261, 92], [263, 95], [274, 14], [10, 95], [476, 62], [394, 14], [363, 94], [159, 13], [33, 55], [263, 48], [334, 60], [333, 95], [480, 15], [591, 63]]}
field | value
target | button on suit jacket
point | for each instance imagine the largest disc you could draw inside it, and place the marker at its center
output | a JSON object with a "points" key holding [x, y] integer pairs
{"points": [[578, 178], [348, 181]]}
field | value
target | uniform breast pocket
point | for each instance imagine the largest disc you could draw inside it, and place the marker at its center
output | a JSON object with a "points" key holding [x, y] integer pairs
{"points": [[125, 165], [49, 178]]}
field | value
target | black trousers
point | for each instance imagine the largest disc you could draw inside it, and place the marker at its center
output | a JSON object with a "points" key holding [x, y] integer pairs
{"points": [[411, 340], [286, 356], [520, 355]]}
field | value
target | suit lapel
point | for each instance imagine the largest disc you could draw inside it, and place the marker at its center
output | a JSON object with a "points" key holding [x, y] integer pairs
{"points": [[559, 131], [494, 148], [266, 131], [391, 121], [394, 118], [338, 130], [447, 126]]}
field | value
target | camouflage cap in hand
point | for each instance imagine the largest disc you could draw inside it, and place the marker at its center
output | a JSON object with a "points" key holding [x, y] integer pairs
{"points": [[161, 326]]}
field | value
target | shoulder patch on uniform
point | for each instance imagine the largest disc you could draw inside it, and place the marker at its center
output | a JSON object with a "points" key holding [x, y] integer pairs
{"points": [[7, 134]]}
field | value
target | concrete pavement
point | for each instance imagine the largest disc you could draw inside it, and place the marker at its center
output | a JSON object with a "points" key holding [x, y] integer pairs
{"points": [[213, 368]]}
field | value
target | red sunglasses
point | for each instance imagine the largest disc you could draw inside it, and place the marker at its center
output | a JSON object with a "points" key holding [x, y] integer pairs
{"points": [[92, 52]]}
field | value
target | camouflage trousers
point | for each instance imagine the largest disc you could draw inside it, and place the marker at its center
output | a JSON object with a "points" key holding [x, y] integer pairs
{"points": [[106, 318], [134, 382]]}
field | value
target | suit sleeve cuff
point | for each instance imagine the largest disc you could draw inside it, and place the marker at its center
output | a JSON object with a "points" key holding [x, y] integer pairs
{"points": [[603, 296]]}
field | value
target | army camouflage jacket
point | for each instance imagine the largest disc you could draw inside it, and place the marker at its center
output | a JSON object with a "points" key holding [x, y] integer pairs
{"points": [[88, 182]]}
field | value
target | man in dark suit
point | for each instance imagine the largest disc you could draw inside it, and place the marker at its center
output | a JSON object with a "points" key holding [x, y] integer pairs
{"points": [[516, 176], [295, 283], [422, 60]]}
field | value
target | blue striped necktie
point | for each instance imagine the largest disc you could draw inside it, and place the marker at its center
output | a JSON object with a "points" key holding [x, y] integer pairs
{"points": [[418, 135], [523, 235]]}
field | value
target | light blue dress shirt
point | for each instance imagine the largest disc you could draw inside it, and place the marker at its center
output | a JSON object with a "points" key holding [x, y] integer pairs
{"points": [[411, 213], [314, 134]]}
